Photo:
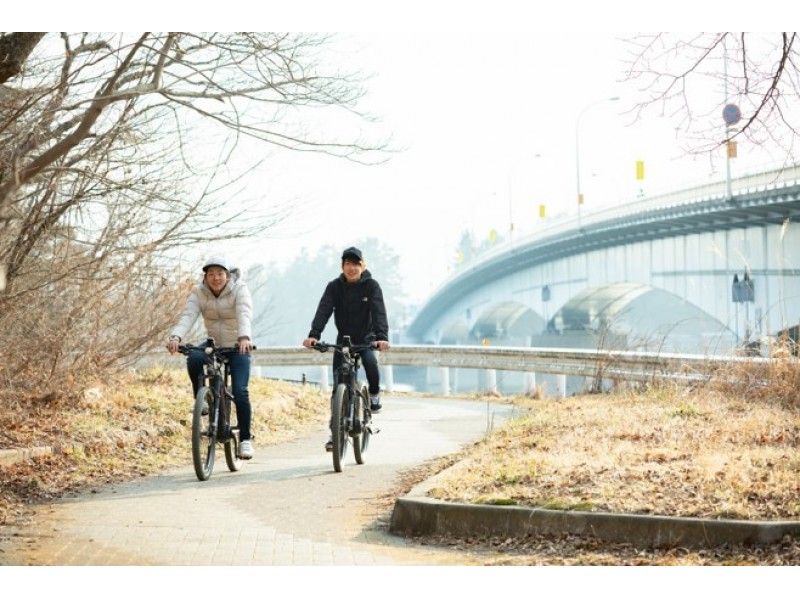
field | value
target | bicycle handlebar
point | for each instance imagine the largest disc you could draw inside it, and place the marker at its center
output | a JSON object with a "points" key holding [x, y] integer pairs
{"points": [[186, 349], [323, 347]]}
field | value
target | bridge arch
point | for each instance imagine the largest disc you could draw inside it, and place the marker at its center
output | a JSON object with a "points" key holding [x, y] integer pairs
{"points": [[636, 316], [508, 322], [456, 333]]}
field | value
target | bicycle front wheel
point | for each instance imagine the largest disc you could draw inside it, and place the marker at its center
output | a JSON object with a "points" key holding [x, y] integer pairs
{"points": [[232, 457], [203, 443], [232, 454], [338, 415], [361, 440]]}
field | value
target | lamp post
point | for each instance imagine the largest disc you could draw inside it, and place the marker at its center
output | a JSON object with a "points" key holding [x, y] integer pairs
{"points": [[577, 150]]}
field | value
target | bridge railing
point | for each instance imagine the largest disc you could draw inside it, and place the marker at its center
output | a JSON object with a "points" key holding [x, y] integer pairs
{"points": [[759, 181], [591, 363], [611, 365]]}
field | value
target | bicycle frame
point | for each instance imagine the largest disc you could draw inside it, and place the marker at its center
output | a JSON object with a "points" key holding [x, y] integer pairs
{"points": [[350, 409], [211, 419], [216, 373]]}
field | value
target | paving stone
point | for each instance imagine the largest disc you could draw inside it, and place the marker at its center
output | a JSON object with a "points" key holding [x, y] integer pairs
{"points": [[284, 507]]}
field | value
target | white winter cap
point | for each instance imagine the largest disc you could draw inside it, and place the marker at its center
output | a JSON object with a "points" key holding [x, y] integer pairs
{"points": [[216, 260]]}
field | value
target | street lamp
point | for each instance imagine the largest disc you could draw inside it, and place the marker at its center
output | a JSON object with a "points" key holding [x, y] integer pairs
{"points": [[577, 149]]}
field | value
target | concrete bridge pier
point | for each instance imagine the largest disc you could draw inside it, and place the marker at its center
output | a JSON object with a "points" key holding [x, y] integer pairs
{"points": [[324, 383], [490, 380], [530, 383], [444, 378], [454, 379], [387, 375]]}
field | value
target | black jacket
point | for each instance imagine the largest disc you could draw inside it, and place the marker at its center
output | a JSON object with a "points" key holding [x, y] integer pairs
{"points": [[357, 307]]}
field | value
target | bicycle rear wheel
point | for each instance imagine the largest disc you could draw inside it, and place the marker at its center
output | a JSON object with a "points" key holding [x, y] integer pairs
{"points": [[338, 414], [203, 445], [361, 440], [232, 444]]}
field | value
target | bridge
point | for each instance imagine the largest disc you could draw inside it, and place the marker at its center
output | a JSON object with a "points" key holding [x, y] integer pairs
{"points": [[694, 271]]}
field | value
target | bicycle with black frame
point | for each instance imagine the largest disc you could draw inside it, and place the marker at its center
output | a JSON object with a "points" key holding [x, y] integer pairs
{"points": [[213, 418], [351, 414]]}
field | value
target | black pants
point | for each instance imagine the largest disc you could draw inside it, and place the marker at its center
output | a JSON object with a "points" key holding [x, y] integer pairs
{"points": [[370, 364]]}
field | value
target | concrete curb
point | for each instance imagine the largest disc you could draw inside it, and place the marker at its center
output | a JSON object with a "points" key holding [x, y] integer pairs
{"points": [[10, 457], [417, 514]]}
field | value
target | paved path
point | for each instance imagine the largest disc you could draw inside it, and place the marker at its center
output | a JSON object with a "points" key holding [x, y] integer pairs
{"points": [[284, 507]]}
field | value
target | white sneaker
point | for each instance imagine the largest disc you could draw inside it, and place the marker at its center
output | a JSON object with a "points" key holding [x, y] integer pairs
{"points": [[246, 449], [374, 403]]}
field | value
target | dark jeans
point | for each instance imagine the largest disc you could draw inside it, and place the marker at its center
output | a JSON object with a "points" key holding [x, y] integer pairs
{"points": [[240, 377]]}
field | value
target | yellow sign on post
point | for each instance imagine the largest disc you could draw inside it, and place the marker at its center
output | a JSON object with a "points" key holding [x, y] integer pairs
{"points": [[492, 236], [639, 170], [732, 149], [580, 199], [541, 210]]}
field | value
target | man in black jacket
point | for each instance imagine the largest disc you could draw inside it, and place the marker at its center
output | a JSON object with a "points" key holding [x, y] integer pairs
{"points": [[356, 300]]}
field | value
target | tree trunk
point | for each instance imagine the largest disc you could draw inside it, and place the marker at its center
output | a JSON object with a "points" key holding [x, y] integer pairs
{"points": [[14, 51]]}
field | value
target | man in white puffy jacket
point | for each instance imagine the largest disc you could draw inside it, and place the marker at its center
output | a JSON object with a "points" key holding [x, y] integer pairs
{"points": [[227, 310]]}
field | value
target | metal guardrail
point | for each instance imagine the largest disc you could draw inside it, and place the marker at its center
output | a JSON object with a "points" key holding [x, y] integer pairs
{"points": [[619, 225], [623, 365], [760, 181]]}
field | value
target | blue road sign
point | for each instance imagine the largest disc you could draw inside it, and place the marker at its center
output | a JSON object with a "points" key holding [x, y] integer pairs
{"points": [[731, 114]]}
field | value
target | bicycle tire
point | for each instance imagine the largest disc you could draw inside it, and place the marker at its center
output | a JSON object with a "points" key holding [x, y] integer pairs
{"points": [[232, 457], [203, 446], [338, 412], [361, 440]]}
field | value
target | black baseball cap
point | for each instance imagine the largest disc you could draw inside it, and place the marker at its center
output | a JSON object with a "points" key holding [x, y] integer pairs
{"points": [[352, 253]]}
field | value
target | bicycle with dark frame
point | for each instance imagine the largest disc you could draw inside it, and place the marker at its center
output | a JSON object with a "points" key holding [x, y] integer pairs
{"points": [[213, 416], [351, 415]]}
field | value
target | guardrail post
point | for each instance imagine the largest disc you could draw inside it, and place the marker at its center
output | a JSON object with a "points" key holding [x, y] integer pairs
{"points": [[530, 383], [491, 381], [562, 385], [324, 385], [444, 388], [388, 378]]}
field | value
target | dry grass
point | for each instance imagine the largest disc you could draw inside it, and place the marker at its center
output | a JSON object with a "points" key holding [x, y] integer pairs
{"points": [[138, 425], [776, 382], [669, 451], [573, 550]]}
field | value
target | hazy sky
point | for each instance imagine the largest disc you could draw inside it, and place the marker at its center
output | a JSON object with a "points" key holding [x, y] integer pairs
{"points": [[485, 120]]}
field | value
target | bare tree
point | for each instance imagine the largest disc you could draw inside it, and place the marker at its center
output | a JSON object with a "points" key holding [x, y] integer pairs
{"points": [[691, 77], [215, 76], [107, 165], [14, 51]]}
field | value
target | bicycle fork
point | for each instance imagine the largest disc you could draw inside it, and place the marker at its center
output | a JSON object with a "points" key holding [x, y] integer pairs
{"points": [[354, 423]]}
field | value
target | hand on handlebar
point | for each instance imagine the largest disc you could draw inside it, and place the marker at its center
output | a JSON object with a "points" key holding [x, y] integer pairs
{"points": [[382, 345], [309, 342], [172, 346], [245, 346]]}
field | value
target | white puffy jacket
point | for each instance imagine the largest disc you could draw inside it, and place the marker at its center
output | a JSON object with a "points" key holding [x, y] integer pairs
{"points": [[227, 317]]}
